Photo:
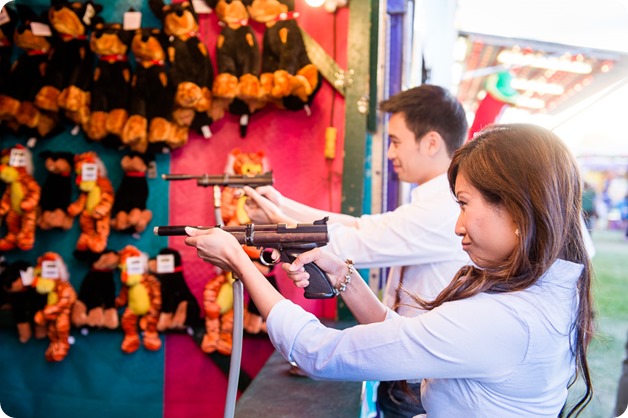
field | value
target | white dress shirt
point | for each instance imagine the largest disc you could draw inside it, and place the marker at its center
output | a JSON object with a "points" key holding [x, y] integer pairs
{"points": [[419, 235]]}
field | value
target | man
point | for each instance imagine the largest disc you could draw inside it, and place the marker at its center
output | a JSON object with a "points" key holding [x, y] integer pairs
{"points": [[427, 124]]}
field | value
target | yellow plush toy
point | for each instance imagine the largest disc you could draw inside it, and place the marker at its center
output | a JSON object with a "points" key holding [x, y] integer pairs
{"points": [[20, 199], [94, 203], [141, 294]]}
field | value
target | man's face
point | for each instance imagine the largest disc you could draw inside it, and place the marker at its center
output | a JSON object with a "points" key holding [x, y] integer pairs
{"points": [[408, 158]]}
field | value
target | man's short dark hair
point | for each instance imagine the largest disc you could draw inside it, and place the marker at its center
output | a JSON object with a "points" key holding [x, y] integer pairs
{"points": [[431, 108]]}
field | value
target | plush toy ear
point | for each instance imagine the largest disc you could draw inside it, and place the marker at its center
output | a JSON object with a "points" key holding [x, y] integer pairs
{"points": [[157, 7]]}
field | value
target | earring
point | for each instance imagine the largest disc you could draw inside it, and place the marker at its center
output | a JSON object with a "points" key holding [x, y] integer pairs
{"points": [[517, 233]]}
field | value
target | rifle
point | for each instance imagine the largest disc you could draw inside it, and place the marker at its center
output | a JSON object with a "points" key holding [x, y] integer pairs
{"points": [[231, 180], [289, 242]]}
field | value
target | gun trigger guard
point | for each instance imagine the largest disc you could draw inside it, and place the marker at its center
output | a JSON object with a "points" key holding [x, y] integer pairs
{"points": [[268, 262]]}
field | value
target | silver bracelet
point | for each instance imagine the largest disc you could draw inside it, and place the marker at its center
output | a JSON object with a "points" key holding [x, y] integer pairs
{"points": [[341, 287]]}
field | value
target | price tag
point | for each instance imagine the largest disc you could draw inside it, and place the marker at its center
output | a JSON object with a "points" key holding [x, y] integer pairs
{"points": [[49, 270], [90, 12], [89, 172], [165, 263], [27, 276], [134, 265], [132, 20], [40, 29], [17, 158], [200, 7]]}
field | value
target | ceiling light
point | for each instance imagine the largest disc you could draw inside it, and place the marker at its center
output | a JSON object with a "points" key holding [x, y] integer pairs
{"points": [[517, 59], [537, 86]]}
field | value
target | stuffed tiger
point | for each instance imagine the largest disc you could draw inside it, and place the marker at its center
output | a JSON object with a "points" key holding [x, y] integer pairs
{"points": [[218, 306], [141, 294], [20, 199], [94, 203], [51, 278]]}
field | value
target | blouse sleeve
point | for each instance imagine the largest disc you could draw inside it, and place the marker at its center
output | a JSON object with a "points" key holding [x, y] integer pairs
{"points": [[479, 338]]}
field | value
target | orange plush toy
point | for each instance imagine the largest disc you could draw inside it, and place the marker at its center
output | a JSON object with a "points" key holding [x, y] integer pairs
{"points": [[20, 199], [232, 199], [141, 294], [51, 278], [218, 306], [93, 204]]}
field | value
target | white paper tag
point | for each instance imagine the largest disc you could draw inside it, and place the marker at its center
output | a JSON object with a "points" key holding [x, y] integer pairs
{"points": [[17, 158], [89, 13], [89, 172], [27, 276], [132, 20], [134, 265], [4, 17], [200, 7], [207, 133], [40, 29], [165, 263], [49, 270]]}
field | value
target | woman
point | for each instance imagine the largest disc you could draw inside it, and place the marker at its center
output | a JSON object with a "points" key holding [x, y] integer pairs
{"points": [[509, 334]]}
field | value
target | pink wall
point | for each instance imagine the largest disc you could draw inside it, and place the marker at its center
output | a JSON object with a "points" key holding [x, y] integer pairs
{"points": [[293, 142]]}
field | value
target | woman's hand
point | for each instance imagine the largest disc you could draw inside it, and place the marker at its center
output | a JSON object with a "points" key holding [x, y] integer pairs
{"points": [[215, 246], [263, 205], [335, 268]]}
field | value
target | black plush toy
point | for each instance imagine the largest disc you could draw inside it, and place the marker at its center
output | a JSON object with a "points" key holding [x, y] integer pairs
{"points": [[150, 126], [179, 307], [288, 76], [129, 212], [23, 299], [112, 84], [191, 70], [56, 192], [8, 22], [236, 86], [17, 101], [71, 64], [95, 305]]}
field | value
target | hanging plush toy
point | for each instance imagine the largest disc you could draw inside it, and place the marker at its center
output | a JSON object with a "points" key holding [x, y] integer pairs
{"points": [[232, 199], [70, 67], [218, 306], [179, 307], [56, 192], [95, 306], [93, 204], [51, 279], [129, 213], [17, 99], [141, 295], [23, 299], [112, 84], [20, 199], [499, 95], [191, 70], [236, 86], [8, 22], [288, 76], [150, 125]]}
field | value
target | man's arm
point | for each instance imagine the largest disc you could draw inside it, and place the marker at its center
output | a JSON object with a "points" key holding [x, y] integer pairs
{"points": [[267, 205]]}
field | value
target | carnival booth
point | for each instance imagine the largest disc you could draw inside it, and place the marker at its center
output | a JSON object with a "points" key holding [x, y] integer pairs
{"points": [[124, 115]]}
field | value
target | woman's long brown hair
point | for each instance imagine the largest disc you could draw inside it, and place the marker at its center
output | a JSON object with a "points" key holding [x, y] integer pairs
{"points": [[528, 171]]}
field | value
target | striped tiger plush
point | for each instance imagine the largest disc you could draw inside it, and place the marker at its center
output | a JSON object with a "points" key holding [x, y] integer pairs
{"points": [[19, 202], [141, 294], [51, 279], [94, 203]]}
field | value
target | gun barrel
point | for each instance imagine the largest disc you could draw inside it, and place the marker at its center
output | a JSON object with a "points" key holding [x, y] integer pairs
{"points": [[232, 180]]}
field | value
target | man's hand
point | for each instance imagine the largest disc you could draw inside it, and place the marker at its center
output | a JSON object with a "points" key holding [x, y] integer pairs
{"points": [[262, 206]]}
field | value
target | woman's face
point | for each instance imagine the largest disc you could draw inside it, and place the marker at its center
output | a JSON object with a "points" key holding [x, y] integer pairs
{"points": [[487, 231]]}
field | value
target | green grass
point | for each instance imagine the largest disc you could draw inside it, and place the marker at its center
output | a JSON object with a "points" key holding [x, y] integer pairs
{"points": [[610, 289]]}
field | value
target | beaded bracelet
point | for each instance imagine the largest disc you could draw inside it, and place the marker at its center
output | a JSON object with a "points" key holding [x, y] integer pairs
{"points": [[341, 287]]}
